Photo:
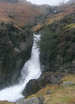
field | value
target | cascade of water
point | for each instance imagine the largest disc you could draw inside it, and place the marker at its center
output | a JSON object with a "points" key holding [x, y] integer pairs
{"points": [[32, 66]]}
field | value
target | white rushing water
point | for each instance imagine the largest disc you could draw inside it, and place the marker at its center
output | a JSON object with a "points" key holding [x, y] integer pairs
{"points": [[13, 93]]}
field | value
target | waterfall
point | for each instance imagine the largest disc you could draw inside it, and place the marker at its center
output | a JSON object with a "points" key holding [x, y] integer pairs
{"points": [[32, 66]]}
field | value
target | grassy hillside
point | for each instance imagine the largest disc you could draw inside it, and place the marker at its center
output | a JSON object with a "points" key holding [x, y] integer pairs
{"points": [[58, 14], [20, 13]]}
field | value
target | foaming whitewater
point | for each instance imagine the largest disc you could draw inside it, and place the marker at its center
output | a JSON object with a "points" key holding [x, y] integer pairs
{"points": [[32, 66]]}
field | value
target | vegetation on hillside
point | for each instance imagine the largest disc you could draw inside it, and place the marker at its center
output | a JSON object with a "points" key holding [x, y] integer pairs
{"points": [[57, 49], [57, 45], [57, 14]]}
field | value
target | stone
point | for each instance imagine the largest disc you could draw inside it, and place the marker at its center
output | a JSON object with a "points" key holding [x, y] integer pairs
{"points": [[20, 101], [48, 92], [32, 100], [41, 99], [68, 83]]}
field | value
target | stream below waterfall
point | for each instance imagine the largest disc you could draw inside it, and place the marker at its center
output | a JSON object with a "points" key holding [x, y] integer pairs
{"points": [[32, 66]]}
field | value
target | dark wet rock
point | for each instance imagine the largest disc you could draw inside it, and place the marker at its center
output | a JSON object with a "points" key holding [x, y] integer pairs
{"points": [[32, 87]]}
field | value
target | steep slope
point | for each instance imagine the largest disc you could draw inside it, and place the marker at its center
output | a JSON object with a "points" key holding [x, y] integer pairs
{"points": [[16, 38], [15, 50], [57, 48], [20, 13], [57, 14], [57, 41]]}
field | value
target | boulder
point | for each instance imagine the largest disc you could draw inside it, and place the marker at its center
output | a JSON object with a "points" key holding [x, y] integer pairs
{"points": [[33, 100], [20, 101], [68, 83]]}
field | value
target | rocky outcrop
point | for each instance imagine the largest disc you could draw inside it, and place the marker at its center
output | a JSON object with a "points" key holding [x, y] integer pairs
{"points": [[33, 100], [68, 83], [58, 94], [15, 50], [46, 78]]}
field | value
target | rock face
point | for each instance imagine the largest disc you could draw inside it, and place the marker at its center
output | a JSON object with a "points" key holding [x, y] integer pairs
{"points": [[15, 50]]}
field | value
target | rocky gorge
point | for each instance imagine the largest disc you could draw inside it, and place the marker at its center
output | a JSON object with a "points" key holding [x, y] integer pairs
{"points": [[56, 53], [57, 58]]}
